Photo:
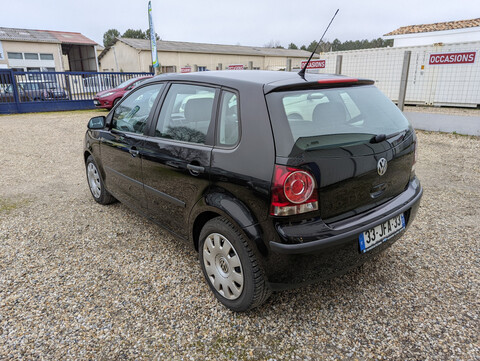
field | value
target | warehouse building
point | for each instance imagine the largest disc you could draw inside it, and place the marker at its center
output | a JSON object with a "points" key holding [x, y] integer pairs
{"points": [[45, 50], [175, 56]]}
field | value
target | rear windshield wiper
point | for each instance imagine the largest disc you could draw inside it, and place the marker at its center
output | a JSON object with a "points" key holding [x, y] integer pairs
{"points": [[378, 138], [381, 137]]}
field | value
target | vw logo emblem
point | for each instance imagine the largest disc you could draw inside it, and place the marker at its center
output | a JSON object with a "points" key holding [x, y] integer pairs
{"points": [[382, 166]]}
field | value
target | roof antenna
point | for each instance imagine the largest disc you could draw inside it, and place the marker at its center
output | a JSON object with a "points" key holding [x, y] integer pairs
{"points": [[302, 72]]}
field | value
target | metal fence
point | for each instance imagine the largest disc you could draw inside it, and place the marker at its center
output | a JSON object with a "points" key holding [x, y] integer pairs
{"points": [[431, 81], [23, 92], [428, 80]]}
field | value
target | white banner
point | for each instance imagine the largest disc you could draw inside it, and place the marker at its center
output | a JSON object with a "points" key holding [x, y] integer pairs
{"points": [[153, 37]]}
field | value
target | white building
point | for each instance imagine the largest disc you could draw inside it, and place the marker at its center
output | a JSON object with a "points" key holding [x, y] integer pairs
{"points": [[461, 31], [46, 50], [132, 55]]}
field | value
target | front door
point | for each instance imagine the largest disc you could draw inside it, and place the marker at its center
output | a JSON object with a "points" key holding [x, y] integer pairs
{"points": [[122, 145], [176, 160]]}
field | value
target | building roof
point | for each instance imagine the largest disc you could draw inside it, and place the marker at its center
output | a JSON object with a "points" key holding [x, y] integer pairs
{"points": [[180, 46], [44, 36], [427, 28], [66, 37], [27, 35]]}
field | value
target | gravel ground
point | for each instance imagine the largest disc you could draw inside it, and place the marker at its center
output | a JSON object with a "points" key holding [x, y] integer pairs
{"points": [[84, 281]]}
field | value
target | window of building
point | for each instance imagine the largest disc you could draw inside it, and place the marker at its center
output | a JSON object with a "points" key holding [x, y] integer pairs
{"points": [[202, 68], [31, 56], [46, 56], [168, 69], [15, 55]]}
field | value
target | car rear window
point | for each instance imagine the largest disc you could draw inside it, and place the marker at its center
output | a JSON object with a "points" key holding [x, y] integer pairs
{"points": [[332, 117]]}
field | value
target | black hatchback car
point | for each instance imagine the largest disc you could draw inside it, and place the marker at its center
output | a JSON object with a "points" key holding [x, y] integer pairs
{"points": [[275, 179]]}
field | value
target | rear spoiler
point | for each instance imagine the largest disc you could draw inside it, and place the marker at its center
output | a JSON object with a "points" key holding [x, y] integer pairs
{"points": [[321, 83]]}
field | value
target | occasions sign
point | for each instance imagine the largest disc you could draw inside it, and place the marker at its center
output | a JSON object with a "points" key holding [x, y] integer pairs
{"points": [[452, 58], [235, 67], [186, 69], [314, 64]]}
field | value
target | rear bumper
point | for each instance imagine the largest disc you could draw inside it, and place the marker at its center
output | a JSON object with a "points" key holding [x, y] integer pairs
{"points": [[317, 235], [314, 251]]}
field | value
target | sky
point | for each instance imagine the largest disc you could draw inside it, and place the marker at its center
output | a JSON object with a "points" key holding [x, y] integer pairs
{"points": [[246, 22]]}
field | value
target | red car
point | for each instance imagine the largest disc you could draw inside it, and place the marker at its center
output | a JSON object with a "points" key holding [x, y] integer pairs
{"points": [[109, 98]]}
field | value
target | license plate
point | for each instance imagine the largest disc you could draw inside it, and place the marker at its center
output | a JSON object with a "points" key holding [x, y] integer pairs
{"points": [[381, 233]]}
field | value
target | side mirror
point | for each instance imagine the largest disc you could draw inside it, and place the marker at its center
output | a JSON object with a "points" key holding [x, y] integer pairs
{"points": [[96, 123]]}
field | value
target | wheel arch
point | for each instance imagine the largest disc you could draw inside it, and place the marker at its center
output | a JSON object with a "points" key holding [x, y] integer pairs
{"points": [[220, 203], [86, 154]]}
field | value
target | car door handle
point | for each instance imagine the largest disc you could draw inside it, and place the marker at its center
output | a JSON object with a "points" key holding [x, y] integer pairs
{"points": [[195, 169], [133, 151]]}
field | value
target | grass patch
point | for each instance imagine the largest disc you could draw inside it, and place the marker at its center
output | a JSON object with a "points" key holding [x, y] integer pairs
{"points": [[6, 205]]}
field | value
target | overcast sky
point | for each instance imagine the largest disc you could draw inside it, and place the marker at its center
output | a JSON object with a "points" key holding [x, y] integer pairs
{"points": [[245, 22]]}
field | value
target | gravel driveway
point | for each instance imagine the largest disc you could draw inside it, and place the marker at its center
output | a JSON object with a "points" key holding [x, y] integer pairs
{"points": [[84, 281]]}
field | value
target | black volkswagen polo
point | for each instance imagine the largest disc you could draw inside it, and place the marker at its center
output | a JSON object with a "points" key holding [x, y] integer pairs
{"points": [[275, 179]]}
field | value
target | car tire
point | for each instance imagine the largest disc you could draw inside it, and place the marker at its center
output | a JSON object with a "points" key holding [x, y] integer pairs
{"points": [[230, 266], [95, 183]]}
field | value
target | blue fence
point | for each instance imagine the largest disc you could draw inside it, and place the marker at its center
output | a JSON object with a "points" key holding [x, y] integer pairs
{"points": [[24, 92]]}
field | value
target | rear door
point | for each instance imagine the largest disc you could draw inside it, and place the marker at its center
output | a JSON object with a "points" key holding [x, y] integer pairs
{"points": [[333, 133], [122, 145], [177, 154]]}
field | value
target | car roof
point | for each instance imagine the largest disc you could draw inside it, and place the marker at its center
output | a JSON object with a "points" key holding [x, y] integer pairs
{"points": [[269, 80]]}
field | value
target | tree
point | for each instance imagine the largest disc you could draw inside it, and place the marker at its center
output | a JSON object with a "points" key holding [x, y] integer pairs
{"points": [[336, 44], [303, 47], [324, 47], [109, 37], [274, 44], [134, 34], [312, 46], [292, 46], [147, 34]]}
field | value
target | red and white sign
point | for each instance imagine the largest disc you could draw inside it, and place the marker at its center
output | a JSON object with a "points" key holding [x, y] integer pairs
{"points": [[314, 64], [452, 58], [235, 67], [186, 69]]}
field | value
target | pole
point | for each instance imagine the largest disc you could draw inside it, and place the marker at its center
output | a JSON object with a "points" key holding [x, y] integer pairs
{"points": [[289, 65], [338, 65], [404, 79]]}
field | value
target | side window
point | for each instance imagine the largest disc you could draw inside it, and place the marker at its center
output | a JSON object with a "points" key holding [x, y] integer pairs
{"points": [[186, 113], [228, 126], [131, 115]]}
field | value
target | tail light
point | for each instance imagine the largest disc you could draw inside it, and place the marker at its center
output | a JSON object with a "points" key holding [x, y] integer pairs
{"points": [[293, 192]]}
